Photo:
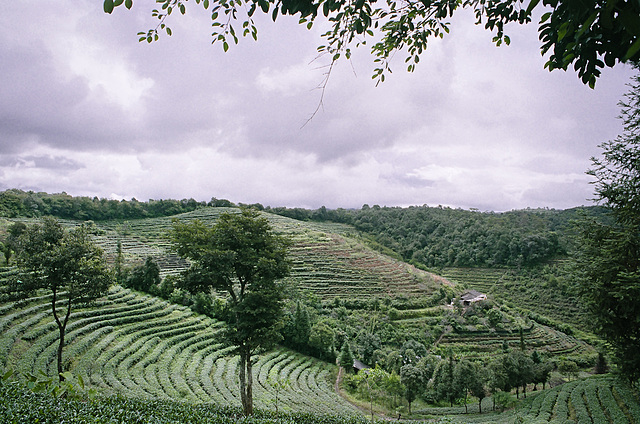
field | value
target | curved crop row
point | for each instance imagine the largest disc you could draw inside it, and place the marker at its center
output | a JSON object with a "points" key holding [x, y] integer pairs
{"points": [[144, 347], [593, 400]]}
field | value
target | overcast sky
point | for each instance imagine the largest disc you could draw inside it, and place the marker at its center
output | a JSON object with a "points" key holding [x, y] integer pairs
{"points": [[86, 109]]}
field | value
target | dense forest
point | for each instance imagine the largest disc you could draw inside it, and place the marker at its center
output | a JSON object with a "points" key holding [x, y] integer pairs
{"points": [[17, 203], [445, 237]]}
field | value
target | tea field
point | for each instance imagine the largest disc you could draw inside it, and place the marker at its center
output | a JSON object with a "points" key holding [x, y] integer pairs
{"points": [[143, 347], [161, 362]]}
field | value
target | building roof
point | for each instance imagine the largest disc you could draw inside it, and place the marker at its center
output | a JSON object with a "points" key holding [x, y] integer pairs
{"points": [[359, 365], [471, 294]]}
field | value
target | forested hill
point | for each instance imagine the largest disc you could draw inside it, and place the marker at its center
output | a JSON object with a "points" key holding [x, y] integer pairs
{"points": [[422, 235], [28, 204], [445, 237]]}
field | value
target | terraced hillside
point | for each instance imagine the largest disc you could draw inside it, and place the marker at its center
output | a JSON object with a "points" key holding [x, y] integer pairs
{"points": [[597, 400], [471, 336], [140, 346], [326, 260], [540, 292], [330, 261]]}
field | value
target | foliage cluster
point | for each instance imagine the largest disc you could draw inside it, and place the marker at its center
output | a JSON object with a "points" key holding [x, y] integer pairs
{"points": [[243, 258], [17, 203], [588, 35], [453, 381], [18, 405], [609, 259], [445, 237]]}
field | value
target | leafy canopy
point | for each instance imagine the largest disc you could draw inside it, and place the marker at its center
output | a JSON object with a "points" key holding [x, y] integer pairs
{"points": [[66, 263], [609, 261], [589, 34], [240, 256]]}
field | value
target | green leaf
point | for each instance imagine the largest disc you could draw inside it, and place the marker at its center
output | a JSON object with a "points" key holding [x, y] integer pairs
{"points": [[545, 17], [563, 30], [225, 46], [108, 6], [128, 4], [66, 375], [7, 375], [532, 5], [633, 50], [206, 4], [117, 3]]}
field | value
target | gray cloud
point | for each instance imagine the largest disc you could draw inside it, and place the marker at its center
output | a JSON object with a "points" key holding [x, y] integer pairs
{"points": [[87, 109]]}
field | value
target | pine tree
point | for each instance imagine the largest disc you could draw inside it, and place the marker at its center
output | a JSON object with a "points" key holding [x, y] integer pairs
{"points": [[345, 359], [609, 261]]}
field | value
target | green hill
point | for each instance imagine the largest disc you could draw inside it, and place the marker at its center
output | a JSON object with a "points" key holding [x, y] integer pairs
{"points": [[139, 346]]}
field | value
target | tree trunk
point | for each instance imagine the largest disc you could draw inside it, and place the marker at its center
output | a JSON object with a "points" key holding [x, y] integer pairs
{"points": [[62, 327], [466, 411], [246, 381], [524, 390], [243, 380], [480, 406], [249, 408]]}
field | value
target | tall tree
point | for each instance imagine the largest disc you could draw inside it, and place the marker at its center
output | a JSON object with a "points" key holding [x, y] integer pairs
{"points": [[589, 34], [144, 277], [321, 341], [609, 259], [412, 378], [301, 327], [345, 359], [68, 264], [119, 261], [467, 375], [446, 386], [518, 366], [239, 255], [497, 379], [15, 230], [477, 386]]}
